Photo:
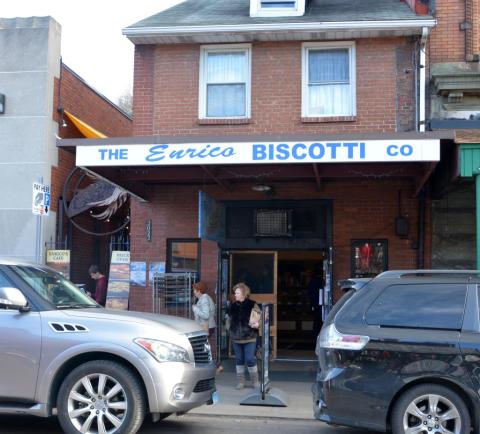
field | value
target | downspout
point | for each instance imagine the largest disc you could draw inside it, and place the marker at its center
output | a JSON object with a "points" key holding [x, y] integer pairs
{"points": [[422, 67], [477, 205], [421, 128]]}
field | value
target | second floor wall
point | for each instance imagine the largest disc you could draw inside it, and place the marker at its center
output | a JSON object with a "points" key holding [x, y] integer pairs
{"points": [[367, 85]]}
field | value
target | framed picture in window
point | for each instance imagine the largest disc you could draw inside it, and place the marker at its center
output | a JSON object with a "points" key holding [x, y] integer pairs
{"points": [[369, 257]]}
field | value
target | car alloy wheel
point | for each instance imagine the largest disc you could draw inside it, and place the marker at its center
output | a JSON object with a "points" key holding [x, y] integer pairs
{"points": [[97, 403], [432, 414], [430, 409], [101, 397]]}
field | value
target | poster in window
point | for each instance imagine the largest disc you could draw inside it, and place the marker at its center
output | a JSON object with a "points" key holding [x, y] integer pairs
{"points": [[138, 273], [369, 257]]}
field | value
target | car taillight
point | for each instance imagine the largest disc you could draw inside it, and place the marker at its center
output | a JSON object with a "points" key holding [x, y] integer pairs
{"points": [[330, 337]]}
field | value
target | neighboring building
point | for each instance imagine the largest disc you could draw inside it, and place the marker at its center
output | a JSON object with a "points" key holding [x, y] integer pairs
{"points": [[454, 71], [278, 142], [38, 92]]}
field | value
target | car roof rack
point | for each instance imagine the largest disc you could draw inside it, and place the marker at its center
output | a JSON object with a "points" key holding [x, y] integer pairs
{"points": [[422, 273]]}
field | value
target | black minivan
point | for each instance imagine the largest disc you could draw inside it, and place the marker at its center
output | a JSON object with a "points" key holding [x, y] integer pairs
{"points": [[402, 353]]}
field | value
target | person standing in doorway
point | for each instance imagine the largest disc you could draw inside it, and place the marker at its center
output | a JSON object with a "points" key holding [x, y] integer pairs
{"points": [[204, 314], [101, 284], [244, 333]]}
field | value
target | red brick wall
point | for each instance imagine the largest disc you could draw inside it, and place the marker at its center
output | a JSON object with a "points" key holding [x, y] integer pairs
{"points": [[143, 90], [174, 212], [447, 41], [83, 102], [166, 90]]}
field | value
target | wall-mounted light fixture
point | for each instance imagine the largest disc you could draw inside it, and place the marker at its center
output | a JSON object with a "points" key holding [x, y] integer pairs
{"points": [[60, 110], [2, 104]]}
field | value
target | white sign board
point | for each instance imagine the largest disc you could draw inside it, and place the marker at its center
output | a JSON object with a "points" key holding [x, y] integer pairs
{"points": [[181, 154], [41, 199]]}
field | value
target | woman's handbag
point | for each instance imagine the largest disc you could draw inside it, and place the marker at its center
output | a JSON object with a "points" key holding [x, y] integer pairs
{"points": [[255, 316]]}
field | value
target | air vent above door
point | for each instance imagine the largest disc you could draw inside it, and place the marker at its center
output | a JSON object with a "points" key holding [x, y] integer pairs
{"points": [[273, 223]]}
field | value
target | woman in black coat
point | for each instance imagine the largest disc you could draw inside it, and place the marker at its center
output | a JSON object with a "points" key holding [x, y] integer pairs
{"points": [[243, 334]]}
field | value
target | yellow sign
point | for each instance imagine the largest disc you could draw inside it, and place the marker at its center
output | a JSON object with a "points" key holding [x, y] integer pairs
{"points": [[59, 260], [59, 256], [120, 257]]}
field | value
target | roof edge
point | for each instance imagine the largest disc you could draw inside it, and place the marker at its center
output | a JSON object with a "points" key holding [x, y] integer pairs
{"points": [[247, 28], [139, 140]]}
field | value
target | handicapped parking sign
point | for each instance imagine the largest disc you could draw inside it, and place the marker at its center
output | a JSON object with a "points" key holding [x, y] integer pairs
{"points": [[40, 199]]}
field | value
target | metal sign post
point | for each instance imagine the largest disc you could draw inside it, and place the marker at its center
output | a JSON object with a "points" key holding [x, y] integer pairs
{"points": [[266, 395]]}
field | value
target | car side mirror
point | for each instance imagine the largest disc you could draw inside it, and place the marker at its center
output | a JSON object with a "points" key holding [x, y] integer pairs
{"points": [[12, 298]]}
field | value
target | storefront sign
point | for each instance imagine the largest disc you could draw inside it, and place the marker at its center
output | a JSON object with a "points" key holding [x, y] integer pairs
{"points": [[180, 154], [59, 260]]}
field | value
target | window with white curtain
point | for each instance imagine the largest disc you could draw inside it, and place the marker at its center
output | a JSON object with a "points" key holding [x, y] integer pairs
{"points": [[328, 87], [225, 81]]}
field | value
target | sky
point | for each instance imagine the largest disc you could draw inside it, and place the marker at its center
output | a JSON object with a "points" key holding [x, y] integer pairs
{"points": [[92, 41]]}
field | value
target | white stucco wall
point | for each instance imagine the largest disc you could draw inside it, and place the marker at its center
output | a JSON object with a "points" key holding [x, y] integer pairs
{"points": [[30, 60]]}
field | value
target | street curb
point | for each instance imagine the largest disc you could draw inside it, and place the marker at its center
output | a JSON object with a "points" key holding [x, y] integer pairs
{"points": [[250, 417]]}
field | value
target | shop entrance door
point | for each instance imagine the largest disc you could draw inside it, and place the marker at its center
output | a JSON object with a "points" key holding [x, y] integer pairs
{"points": [[258, 270]]}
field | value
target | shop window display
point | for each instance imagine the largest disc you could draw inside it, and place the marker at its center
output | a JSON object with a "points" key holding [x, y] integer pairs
{"points": [[369, 257]]}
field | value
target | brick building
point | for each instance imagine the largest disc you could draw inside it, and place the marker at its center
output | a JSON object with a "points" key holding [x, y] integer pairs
{"points": [[454, 101], [81, 111], [277, 142]]}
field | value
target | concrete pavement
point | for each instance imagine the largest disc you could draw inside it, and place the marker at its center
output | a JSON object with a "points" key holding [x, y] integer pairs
{"points": [[293, 378]]}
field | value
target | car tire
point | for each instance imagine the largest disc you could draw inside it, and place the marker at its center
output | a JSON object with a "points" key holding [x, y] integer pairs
{"points": [[101, 396], [425, 405]]}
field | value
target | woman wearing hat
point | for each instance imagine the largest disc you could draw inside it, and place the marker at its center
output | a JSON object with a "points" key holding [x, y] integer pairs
{"points": [[204, 313]]}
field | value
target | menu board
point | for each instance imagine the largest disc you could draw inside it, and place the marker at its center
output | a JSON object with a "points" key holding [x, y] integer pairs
{"points": [[119, 281]]}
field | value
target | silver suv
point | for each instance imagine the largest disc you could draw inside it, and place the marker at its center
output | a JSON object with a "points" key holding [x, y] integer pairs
{"points": [[100, 370]]}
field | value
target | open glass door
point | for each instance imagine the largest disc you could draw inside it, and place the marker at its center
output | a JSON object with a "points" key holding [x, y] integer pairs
{"points": [[258, 270]]}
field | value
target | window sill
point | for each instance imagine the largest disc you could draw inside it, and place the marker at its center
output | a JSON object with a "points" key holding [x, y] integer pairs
{"points": [[224, 121], [319, 120]]}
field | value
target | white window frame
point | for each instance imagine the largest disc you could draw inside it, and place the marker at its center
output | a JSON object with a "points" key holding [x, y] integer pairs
{"points": [[256, 10], [306, 47], [223, 48]]}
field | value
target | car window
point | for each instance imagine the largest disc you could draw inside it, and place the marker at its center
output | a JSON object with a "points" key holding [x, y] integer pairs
{"points": [[53, 287], [430, 306]]}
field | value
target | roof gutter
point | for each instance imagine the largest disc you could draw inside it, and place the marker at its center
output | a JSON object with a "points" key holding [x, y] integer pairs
{"points": [[269, 27]]}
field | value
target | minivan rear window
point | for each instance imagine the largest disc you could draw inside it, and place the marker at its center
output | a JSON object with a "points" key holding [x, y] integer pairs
{"points": [[429, 306]]}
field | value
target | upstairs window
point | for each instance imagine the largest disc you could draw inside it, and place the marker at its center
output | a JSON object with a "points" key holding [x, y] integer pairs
{"points": [[276, 8], [328, 87], [225, 82]]}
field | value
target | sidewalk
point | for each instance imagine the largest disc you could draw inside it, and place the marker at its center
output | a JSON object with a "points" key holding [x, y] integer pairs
{"points": [[293, 378]]}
